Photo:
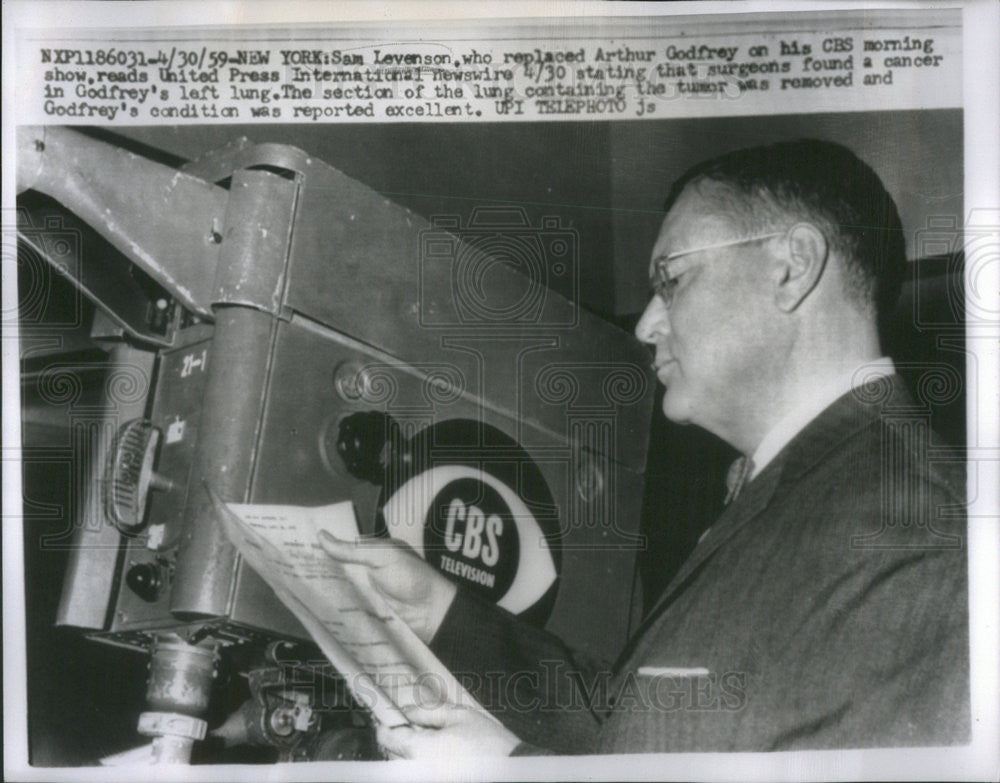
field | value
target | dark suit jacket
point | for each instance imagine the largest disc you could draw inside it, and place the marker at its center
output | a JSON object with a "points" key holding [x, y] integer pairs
{"points": [[826, 608]]}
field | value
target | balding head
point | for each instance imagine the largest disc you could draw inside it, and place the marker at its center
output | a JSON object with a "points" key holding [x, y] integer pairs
{"points": [[767, 278], [770, 187]]}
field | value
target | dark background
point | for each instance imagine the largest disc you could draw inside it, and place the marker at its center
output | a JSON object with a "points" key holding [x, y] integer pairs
{"points": [[605, 180]]}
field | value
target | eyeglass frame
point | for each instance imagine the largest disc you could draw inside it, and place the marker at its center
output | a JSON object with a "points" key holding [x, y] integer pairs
{"points": [[664, 285]]}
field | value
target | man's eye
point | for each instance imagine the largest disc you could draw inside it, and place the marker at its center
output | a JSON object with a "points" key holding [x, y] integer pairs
{"points": [[682, 270]]}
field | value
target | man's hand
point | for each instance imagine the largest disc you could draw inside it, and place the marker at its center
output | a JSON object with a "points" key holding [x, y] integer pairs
{"points": [[446, 731], [418, 594]]}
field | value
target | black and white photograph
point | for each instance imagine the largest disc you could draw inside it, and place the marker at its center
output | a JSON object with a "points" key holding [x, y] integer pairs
{"points": [[491, 394]]}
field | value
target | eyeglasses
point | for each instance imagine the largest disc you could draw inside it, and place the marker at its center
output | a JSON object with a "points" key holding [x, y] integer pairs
{"points": [[664, 285]]}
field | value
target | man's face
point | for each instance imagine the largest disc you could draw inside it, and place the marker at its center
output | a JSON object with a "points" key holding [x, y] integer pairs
{"points": [[712, 342]]}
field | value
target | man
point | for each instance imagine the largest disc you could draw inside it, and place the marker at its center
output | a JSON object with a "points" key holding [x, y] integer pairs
{"points": [[827, 606]]}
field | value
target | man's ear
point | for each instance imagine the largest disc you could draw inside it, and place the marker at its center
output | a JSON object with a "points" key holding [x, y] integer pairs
{"points": [[802, 267]]}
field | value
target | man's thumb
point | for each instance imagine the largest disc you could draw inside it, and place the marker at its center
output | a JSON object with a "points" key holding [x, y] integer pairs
{"points": [[428, 717]]}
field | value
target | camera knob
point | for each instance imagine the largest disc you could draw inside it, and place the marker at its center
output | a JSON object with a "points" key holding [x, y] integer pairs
{"points": [[363, 444], [145, 580]]}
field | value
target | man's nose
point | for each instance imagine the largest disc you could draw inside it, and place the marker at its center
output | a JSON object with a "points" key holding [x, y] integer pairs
{"points": [[654, 324]]}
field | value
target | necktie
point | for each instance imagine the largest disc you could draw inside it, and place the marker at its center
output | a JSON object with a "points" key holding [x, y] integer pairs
{"points": [[739, 473]]}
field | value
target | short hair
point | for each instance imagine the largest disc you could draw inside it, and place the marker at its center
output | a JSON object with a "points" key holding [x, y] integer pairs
{"points": [[826, 184]]}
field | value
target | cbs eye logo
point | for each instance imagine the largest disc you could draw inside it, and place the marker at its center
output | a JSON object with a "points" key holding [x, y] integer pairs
{"points": [[477, 531], [469, 532], [477, 525]]}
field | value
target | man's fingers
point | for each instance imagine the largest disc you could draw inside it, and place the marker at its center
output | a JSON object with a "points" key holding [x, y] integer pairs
{"points": [[396, 743], [432, 718], [350, 551], [374, 552]]}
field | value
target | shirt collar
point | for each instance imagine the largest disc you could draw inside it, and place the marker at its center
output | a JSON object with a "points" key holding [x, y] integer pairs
{"points": [[792, 423]]}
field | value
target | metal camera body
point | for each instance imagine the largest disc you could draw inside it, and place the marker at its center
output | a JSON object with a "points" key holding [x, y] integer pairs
{"points": [[296, 299], [546, 256]]}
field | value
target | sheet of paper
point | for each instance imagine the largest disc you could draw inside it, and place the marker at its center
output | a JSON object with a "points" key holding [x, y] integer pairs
{"points": [[385, 665]]}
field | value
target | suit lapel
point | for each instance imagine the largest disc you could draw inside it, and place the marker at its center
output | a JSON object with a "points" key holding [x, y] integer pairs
{"points": [[754, 498], [751, 501], [844, 417]]}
